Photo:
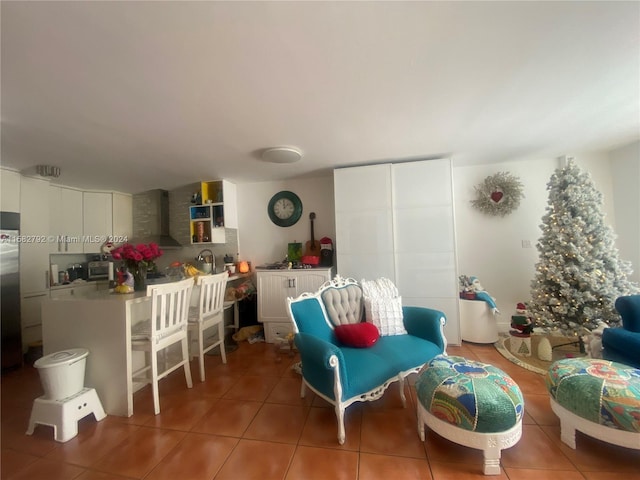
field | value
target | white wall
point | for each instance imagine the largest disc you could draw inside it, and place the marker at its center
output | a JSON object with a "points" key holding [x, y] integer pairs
{"points": [[625, 167], [260, 241], [491, 248]]}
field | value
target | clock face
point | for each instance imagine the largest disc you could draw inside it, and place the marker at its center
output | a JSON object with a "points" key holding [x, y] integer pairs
{"points": [[285, 208]]}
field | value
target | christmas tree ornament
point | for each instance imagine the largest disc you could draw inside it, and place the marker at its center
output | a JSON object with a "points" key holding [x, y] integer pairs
{"points": [[498, 194]]}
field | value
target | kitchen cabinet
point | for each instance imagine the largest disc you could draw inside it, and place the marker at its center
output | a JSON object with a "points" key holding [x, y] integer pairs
{"points": [[9, 191], [207, 222], [66, 217], [122, 208], [34, 229], [97, 220], [397, 221], [31, 318], [273, 288]]}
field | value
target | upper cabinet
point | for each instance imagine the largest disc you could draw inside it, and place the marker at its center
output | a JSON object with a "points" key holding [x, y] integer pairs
{"points": [[9, 191], [106, 217], [80, 222], [65, 220], [207, 221], [122, 208], [97, 220], [34, 226]]}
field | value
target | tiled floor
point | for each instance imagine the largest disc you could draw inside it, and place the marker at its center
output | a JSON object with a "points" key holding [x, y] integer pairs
{"points": [[248, 421]]}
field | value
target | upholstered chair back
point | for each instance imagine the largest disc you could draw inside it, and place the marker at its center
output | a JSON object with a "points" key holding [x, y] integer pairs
{"points": [[308, 318], [343, 305], [629, 309]]}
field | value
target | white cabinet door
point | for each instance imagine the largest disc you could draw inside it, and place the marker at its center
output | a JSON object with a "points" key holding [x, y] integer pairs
{"points": [[425, 257], [364, 220], [274, 286], [397, 221], [34, 226], [65, 220], [122, 218], [9, 191], [97, 220]]}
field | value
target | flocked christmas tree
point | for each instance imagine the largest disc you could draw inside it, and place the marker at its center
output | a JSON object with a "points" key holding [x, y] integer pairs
{"points": [[579, 274]]}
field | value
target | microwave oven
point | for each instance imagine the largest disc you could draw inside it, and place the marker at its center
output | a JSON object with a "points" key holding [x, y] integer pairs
{"points": [[98, 270]]}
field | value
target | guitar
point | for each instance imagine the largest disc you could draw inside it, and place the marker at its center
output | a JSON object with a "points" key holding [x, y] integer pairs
{"points": [[312, 247]]}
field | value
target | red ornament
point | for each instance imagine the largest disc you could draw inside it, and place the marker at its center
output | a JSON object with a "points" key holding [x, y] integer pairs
{"points": [[496, 196]]}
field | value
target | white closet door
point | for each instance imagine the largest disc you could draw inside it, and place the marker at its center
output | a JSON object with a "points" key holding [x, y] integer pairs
{"points": [[364, 222], [425, 261]]}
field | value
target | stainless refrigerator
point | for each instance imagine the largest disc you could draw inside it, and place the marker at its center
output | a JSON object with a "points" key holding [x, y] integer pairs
{"points": [[10, 290]]}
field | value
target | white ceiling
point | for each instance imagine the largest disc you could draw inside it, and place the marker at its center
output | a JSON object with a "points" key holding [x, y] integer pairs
{"points": [[138, 95]]}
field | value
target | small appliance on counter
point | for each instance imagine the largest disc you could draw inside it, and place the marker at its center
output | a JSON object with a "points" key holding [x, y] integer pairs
{"points": [[77, 271], [98, 270]]}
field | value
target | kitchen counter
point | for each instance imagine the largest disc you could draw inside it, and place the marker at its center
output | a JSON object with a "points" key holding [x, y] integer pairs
{"points": [[101, 322]]}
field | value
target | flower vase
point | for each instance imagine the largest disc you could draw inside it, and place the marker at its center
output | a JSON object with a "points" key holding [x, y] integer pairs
{"points": [[139, 278]]}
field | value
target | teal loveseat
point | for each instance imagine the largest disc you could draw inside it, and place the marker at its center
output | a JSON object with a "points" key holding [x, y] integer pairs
{"points": [[343, 374]]}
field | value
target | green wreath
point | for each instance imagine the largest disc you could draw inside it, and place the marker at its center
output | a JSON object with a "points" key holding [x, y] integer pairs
{"points": [[498, 194]]}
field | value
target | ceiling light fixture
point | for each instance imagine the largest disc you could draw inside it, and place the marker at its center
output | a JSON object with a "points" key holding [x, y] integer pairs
{"points": [[48, 171], [282, 155]]}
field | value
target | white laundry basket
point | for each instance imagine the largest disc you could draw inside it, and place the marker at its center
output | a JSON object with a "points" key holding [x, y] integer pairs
{"points": [[62, 373]]}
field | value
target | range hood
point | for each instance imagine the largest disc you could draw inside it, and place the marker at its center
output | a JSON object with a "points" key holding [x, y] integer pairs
{"points": [[151, 219]]}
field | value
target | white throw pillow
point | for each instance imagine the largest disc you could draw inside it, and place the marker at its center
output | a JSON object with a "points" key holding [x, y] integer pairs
{"points": [[383, 306]]}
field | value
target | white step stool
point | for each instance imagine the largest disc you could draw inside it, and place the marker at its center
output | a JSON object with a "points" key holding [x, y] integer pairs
{"points": [[63, 414]]}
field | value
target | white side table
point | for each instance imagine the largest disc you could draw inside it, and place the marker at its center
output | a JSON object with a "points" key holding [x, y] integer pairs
{"points": [[477, 322]]}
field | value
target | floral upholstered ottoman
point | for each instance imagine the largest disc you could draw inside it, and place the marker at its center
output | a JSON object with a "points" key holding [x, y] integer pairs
{"points": [[597, 397], [470, 403]]}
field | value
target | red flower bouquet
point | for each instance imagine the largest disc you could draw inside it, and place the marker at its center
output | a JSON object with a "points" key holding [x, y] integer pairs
{"points": [[138, 259]]}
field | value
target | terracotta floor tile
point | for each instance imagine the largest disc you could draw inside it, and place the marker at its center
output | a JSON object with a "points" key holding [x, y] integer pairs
{"points": [[91, 443], [321, 429], [441, 450], [277, 423], [256, 460], [537, 474], [287, 392], [215, 384], [182, 410], [47, 469], [538, 407], [140, 452], [251, 388], [610, 476], [535, 451], [13, 462], [462, 471], [391, 432], [312, 463], [196, 457], [595, 455], [382, 467], [228, 417], [95, 475]]}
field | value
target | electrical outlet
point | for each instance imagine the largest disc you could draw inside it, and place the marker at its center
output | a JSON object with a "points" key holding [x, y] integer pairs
{"points": [[526, 243]]}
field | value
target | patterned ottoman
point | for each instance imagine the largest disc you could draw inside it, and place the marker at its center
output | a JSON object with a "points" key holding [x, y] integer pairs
{"points": [[597, 397], [470, 403]]}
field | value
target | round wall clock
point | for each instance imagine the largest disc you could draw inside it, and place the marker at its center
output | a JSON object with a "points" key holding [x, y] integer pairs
{"points": [[285, 208]]}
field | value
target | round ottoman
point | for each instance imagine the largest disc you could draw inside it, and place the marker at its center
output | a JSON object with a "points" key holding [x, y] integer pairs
{"points": [[597, 397], [470, 403]]}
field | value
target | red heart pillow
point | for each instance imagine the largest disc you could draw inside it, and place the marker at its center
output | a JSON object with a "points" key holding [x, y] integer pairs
{"points": [[359, 335]]}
